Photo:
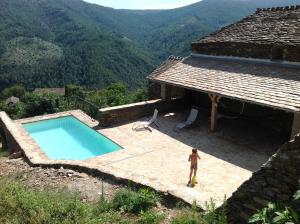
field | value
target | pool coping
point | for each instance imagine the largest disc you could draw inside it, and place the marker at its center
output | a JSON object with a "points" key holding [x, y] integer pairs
{"points": [[36, 157], [32, 150], [79, 119]]}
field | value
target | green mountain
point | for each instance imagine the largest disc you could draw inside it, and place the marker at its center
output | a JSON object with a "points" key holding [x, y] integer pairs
{"points": [[47, 43]]}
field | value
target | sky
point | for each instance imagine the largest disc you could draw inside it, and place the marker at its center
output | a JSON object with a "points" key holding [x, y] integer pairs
{"points": [[143, 4]]}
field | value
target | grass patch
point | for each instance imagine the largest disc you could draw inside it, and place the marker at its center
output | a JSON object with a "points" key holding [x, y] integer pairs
{"points": [[193, 216], [150, 217], [20, 205], [127, 200]]}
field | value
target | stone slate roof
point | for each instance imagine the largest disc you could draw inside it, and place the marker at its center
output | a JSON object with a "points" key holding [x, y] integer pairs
{"points": [[265, 83], [280, 25], [172, 60]]}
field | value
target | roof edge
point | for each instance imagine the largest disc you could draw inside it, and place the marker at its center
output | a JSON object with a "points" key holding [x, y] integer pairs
{"points": [[285, 8], [291, 110], [175, 58], [172, 60], [249, 60]]}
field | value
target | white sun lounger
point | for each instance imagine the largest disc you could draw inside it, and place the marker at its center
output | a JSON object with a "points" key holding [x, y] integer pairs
{"points": [[146, 124], [190, 120]]}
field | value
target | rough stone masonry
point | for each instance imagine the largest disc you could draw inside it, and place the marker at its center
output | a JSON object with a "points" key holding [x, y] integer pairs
{"points": [[276, 181]]}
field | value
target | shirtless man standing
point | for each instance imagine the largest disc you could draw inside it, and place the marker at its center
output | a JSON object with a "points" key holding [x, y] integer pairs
{"points": [[193, 158]]}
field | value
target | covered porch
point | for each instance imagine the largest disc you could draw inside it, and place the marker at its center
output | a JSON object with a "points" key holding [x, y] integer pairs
{"points": [[263, 91]]}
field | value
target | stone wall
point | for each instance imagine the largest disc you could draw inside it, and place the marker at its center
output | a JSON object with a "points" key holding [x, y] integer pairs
{"points": [[8, 140], [276, 181], [130, 112], [247, 50], [233, 49], [292, 54]]}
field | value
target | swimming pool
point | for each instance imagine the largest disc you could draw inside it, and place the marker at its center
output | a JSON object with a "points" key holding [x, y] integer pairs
{"points": [[67, 138]]}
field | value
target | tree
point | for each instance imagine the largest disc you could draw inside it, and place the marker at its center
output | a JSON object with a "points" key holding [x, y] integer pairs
{"points": [[41, 103], [140, 95], [16, 90], [74, 90], [116, 94]]}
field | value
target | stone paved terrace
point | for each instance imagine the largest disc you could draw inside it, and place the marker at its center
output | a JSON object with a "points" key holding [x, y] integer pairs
{"points": [[158, 159]]}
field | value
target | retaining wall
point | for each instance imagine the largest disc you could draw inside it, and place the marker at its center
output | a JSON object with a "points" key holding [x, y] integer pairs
{"points": [[276, 181], [7, 128]]}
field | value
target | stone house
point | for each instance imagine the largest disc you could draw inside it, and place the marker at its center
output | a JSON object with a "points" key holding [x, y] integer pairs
{"points": [[58, 91], [252, 67], [12, 100]]}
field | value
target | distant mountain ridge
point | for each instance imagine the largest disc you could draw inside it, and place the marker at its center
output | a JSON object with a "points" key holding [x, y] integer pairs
{"points": [[49, 43]]}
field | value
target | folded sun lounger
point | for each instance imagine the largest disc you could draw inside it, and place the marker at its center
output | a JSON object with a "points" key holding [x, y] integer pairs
{"points": [[146, 124], [190, 120]]}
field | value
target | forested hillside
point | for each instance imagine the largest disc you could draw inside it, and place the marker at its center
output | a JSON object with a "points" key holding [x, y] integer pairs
{"points": [[50, 43], [44, 43]]}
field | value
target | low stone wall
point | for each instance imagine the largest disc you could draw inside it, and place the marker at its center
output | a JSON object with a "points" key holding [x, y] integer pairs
{"points": [[276, 181], [129, 112]]}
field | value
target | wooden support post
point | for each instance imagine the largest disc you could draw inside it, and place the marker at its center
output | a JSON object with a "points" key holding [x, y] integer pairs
{"points": [[214, 111], [296, 125], [163, 91], [166, 91]]}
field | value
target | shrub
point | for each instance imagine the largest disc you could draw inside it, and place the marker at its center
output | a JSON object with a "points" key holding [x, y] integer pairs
{"points": [[211, 216], [277, 214], [128, 200], [16, 90], [140, 95], [20, 205], [296, 196], [109, 218], [33, 104], [103, 206], [188, 217], [150, 217], [15, 111], [41, 103], [72, 90]]}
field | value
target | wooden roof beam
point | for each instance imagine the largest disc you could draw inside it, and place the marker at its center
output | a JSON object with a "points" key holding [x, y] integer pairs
{"points": [[214, 111]]}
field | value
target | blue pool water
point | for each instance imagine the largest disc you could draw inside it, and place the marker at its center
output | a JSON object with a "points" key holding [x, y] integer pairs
{"points": [[67, 138]]}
